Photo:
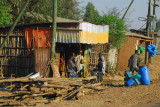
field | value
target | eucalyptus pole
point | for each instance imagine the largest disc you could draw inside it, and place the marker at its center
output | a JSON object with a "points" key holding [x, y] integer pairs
{"points": [[127, 9], [53, 38], [154, 8], [153, 30], [148, 30], [14, 24], [154, 18], [148, 18]]}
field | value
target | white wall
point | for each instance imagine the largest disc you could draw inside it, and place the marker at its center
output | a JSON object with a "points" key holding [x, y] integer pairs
{"points": [[112, 58]]}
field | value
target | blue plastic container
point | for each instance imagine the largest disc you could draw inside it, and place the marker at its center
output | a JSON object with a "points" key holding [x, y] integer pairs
{"points": [[137, 76], [129, 74], [137, 81], [130, 82], [145, 76]]}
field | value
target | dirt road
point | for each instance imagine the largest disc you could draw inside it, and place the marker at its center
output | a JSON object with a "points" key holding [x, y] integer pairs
{"points": [[122, 96]]}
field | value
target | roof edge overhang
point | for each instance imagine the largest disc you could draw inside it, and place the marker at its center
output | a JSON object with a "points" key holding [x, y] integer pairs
{"points": [[138, 35]]}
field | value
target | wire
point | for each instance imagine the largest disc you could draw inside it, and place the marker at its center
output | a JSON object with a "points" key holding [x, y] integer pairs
{"points": [[143, 25], [142, 19]]}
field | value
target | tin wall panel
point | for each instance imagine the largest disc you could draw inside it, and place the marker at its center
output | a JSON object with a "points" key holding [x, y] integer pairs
{"points": [[42, 56]]}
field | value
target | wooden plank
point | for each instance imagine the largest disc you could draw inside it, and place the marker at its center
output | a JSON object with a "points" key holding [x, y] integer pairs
{"points": [[35, 95], [12, 88], [23, 79], [7, 100], [38, 101], [56, 86], [68, 95]]}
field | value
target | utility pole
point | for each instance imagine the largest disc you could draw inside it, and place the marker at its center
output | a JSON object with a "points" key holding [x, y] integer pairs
{"points": [[148, 30], [14, 24], [148, 18], [54, 24], [154, 16], [127, 9], [154, 7], [153, 22]]}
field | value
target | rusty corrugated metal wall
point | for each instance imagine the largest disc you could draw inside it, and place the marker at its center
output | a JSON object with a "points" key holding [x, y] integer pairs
{"points": [[42, 55]]}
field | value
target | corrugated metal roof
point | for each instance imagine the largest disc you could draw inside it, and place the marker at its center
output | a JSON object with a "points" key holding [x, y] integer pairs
{"points": [[137, 35], [42, 37], [63, 20], [49, 18], [93, 34], [59, 20], [66, 36]]}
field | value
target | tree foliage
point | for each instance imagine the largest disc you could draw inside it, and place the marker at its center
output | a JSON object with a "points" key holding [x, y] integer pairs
{"points": [[69, 9], [43, 8], [116, 12], [116, 29], [113, 12], [90, 13], [5, 13]]}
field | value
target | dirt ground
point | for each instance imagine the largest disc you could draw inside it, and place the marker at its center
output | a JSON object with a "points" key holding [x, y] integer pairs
{"points": [[121, 96]]}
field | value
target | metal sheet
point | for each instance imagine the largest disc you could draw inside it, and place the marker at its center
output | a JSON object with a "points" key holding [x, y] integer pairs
{"points": [[42, 56], [67, 36], [42, 37], [93, 34]]}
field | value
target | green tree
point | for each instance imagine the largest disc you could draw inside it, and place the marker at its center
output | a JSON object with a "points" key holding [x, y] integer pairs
{"points": [[5, 13], [41, 10], [113, 12], [90, 13], [118, 13], [116, 29], [35, 6], [69, 9]]}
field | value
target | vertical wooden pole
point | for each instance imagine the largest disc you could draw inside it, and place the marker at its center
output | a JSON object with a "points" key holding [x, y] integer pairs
{"points": [[34, 67], [154, 14], [148, 30], [127, 9], [53, 38], [148, 19]]}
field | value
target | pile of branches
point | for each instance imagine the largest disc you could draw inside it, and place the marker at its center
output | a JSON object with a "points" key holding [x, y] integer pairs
{"points": [[37, 92]]}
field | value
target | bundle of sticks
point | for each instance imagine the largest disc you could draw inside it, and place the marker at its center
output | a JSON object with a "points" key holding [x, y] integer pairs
{"points": [[33, 92]]}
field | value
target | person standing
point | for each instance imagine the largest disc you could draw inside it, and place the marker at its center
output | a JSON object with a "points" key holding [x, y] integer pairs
{"points": [[132, 62], [100, 73], [62, 67], [79, 64], [71, 68], [103, 63]]}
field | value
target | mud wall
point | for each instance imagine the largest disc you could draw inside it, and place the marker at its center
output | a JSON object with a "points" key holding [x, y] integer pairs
{"points": [[127, 49]]}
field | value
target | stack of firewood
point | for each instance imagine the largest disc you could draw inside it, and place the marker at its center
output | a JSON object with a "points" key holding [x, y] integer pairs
{"points": [[40, 91]]}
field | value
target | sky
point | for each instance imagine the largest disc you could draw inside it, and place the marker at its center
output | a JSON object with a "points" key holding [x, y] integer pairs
{"points": [[138, 9]]}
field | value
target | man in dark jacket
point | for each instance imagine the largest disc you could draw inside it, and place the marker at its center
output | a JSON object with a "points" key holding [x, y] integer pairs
{"points": [[132, 62], [100, 73]]}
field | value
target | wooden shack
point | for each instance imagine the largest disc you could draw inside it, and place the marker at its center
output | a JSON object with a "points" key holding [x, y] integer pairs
{"points": [[133, 40], [28, 48]]}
